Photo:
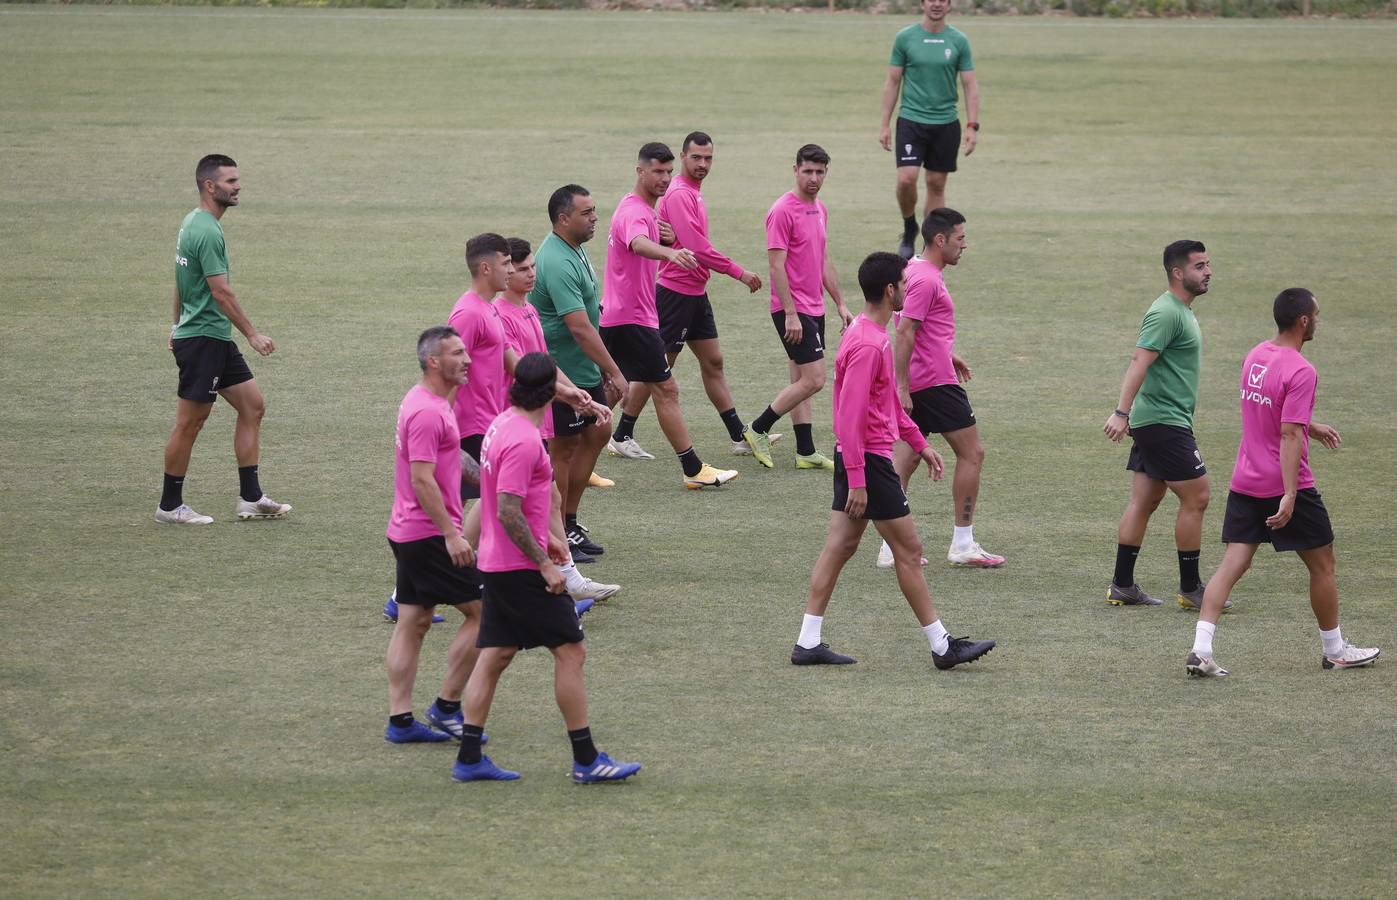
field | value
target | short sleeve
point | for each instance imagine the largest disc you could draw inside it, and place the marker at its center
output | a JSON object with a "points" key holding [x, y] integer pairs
{"points": [[1157, 330], [966, 62], [634, 224], [212, 253], [919, 300], [514, 466], [778, 229], [425, 429], [899, 57], [1299, 403]]}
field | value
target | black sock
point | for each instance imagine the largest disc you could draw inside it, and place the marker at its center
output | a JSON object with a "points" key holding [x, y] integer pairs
{"points": [[1188, 570], [247, 483], [691, 462], [401, 720], [805, 439], [734, 424], [470, 744], [570, 520], [450, 707], [1125, 565], [172, 495], [762, 423], [909, 228], [584, 752], [625, 428]]}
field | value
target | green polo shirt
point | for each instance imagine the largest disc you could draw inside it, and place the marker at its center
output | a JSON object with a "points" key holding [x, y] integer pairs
{"points": [[930, 63], [566, 283], [1169, 393], [199, 253]]}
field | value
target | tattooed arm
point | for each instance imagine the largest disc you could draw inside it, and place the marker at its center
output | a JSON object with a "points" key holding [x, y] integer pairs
{"points": [[470, 470], [511, 516]]}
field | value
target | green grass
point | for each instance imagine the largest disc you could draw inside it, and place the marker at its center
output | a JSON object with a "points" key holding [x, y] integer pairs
{"points": [[199, 712]]}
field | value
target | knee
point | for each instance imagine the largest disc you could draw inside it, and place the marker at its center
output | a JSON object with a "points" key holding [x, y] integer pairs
{"points": [[572, 655], [912, 552], [253, 410], [906, 178], [936, 182], [711, 366], [1199, 501], [666, 391], [814, 379], [975, 455]]}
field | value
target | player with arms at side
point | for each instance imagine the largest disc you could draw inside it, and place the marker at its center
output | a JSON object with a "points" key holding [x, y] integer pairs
{"points": [[867, 420], [1272, 499], [927, 58], [210, 366], [1157, 400], [801, 273], [523, 606]]}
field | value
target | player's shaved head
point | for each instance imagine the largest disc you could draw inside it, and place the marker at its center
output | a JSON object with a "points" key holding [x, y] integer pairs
{"points": [[877, 271], [655, 152]]}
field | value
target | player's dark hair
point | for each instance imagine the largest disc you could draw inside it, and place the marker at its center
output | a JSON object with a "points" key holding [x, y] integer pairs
{"points": [[696, 137], [942, 220], [812, 153], [535, 378], [519, 250], [1290, 305], [208, 167], [561, 201], [655, 152], [877, 271], [483, 247], [1177, 254], [429, 343]]}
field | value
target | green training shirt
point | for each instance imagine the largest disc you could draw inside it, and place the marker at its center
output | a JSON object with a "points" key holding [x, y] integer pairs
{"points": [[566, 283], [1169, 393], [199, 253], [930, 64]]}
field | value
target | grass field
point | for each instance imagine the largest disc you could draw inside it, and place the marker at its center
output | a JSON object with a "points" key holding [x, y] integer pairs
{"points": [[199, 712]]}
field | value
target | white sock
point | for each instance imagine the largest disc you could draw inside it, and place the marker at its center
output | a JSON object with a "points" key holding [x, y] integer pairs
{"points": [[810, 631], [1333, 641], [572, 578], [938, 638], [963, 538], [1203, 638]]}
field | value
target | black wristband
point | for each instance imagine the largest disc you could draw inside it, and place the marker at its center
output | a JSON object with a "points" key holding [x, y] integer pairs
{"points": [[1123, 414]]}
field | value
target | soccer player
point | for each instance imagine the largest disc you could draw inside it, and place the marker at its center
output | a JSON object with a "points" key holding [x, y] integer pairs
{"points": [[681, 297], [926, 59], [569, 308], [630, 323], [523, 606], [801, 271], [1272, 499], [523, 335], [1157, 400], [210, 366], [867, 420], [929, 376], [434, 559]]}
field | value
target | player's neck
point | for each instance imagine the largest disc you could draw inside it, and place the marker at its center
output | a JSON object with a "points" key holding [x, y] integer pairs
{"points": [[533, 415], [803, 197], [564, 238], [212, 207], [880, 313], [933, 27], [934, 260], [1181, 295], [1292, 339], [515, 299], [648, 199], [481, 288], [437, 385]]}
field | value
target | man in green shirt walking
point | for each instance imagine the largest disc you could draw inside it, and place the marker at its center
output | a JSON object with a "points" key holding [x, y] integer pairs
{"points": [[210, 366], [926, 60], [1156, 405]]}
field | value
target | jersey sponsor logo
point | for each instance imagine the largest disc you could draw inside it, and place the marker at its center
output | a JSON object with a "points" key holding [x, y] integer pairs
{"points": [[1256, 397], [181, 260], [933, 40], [1256, 378]]}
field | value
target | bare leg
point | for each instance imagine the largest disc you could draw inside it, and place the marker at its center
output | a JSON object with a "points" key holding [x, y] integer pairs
{"points": [[715, 383], [584, 460], [907, 191], [189, 419], [666, 394], [935, 190], [970, 461], [404, 649], [1324, 586], [1236, 559], [480, 690], [807, 380], [461, 655], [901, 535], [1145, 494], [1193, 501], [637, 395], [568, 687], [247, 399], [561, 451], [841, 541]]}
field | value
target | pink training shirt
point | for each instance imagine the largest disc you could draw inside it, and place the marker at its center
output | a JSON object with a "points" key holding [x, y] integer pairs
{"points": [[867, 416], [426, 433], [1278, 386], [682, 207], [799, 228], [927, 301], [512, 461], [522, 334], [628, 285], [478, 400]]}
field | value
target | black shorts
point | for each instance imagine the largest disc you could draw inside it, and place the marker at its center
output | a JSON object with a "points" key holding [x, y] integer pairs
{"points": [[566, 421], [812, 342], [684, 317], [942, 408], [206, 366], [933, 147], [1165, 453], [1308, 528], [885, 497], [520, 612], [638, 351], [427, 576], [471, 444]]}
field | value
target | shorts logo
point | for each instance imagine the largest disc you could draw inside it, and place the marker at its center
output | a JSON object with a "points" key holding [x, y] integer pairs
{"points": [[907, 148], [1198, 456]]}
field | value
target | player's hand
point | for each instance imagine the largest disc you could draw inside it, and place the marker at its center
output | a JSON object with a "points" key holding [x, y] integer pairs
{"points": [[597, 411], [794, 332], [846, 317], [752, 280], [885, 137], [857, 503], [614, 386], [1283, 513], [972, 135], [962, 370], [261, 343], [1326, 435], [558, 550], [666, 233], [460, 550], [904, 399], [575, 397], [685, 259], [552, 576], [1116, 427], [935, 465]]}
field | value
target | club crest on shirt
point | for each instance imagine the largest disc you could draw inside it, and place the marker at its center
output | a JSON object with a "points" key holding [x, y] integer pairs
{"points": [[948, 52]]}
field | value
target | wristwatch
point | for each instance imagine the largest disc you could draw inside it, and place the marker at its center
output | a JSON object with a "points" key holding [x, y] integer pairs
{"points": [[974, 125]]}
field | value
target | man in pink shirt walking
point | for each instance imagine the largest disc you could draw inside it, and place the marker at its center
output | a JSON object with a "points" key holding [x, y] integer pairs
{"points": [[867, 420], [801, 273], [1272, 498], [630, 322], [681, 298]]}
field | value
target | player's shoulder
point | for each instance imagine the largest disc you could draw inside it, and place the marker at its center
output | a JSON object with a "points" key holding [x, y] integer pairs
{"points": [[907, 32]]}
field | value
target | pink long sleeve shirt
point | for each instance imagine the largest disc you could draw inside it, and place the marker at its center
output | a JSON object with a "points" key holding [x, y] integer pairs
{"points": [[867, 416], [682, 207]]}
